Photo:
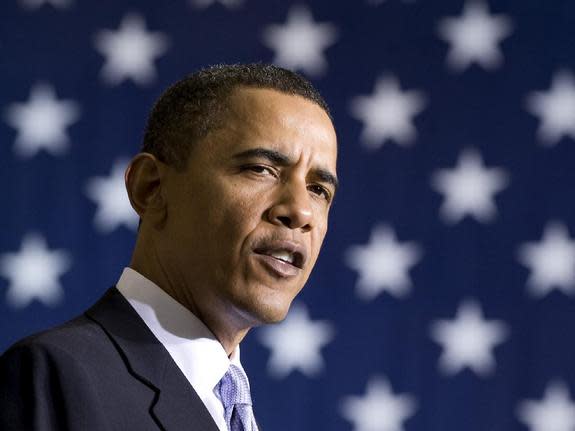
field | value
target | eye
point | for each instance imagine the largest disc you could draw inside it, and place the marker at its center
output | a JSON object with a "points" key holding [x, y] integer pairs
{"points": [[320, 191], [260, 170]]}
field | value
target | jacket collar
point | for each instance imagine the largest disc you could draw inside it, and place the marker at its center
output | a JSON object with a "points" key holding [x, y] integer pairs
{"points": [[176, 406]]}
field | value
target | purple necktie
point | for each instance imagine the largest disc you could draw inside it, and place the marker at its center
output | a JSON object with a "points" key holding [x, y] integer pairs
{"points": [[235, 395]]}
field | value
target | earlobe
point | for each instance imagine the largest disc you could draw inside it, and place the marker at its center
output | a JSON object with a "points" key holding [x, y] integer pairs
{"points": [[144, 180]]}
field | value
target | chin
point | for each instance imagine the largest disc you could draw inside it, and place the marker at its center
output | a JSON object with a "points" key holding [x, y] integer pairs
{"points": [[264, 313]]}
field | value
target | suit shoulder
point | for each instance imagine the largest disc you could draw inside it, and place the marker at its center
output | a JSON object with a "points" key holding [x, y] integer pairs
{"points": [[76, 337], [49, 380]]}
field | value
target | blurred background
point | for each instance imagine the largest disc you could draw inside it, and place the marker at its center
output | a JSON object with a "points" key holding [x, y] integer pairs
{"points": [[443, 297]]}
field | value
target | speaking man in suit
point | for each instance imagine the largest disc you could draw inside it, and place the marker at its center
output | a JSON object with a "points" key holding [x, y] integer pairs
{"points": [[233, 188]]}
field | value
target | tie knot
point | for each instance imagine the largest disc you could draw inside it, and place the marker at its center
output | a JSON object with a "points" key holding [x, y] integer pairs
{"points": [[234, 387]]}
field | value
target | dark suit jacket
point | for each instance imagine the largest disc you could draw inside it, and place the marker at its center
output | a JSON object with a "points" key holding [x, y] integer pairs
{"points": [[104, 370]]}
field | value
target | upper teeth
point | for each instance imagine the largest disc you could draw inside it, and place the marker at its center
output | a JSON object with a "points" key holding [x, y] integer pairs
{"points": [[282, 255]]}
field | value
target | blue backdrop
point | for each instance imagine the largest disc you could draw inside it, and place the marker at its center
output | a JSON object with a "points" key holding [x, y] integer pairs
{"points": [[443, 298]]}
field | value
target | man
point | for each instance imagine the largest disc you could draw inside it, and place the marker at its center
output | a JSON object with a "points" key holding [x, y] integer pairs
{"points": [[233, 188]]}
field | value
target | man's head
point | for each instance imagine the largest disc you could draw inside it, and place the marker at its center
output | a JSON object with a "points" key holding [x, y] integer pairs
{"points": [[196, 105], [234, 192]]}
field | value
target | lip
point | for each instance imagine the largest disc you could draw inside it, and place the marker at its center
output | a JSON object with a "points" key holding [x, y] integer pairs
{"points": [[299, 252], [277, 267]]}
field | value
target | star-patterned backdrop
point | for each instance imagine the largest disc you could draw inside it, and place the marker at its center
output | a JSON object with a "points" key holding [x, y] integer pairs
{"points": [[444, 296]]}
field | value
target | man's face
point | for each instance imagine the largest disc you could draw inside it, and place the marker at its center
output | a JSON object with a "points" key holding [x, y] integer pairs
{"points": [[247, 217]]}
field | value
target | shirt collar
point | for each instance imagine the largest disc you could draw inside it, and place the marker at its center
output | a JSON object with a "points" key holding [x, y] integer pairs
{"points": [[191, 344]]}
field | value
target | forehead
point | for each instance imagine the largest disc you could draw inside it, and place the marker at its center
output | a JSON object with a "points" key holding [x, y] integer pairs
{"points": [[290, 124]]}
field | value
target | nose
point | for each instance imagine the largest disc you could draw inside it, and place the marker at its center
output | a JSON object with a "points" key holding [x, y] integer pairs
{"points": [[293, 208]]}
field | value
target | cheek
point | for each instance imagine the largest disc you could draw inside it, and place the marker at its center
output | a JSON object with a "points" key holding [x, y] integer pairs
{"points": [[320, 231], [317, 240], [246, 205], [236, 219]]}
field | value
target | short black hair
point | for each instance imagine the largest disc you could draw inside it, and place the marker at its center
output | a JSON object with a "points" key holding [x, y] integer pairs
{"points": [[192, 107]]}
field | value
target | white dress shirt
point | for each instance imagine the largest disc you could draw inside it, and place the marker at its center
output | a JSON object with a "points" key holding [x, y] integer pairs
{"points": [[192, 346]]}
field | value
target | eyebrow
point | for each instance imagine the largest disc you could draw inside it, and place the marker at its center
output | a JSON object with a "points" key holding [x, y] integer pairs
{"points": [[282, 159]]}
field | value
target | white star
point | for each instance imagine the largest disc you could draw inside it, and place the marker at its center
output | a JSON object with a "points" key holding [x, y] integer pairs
{"points": [[299, 43], [383, 264], [555, 109], [379, 409], [41, 122], [474, 37], [34, 272], [130, 52], [202, 4], [295, 343], [388, 113], [35, 4], [555, 412], [551, 261], [467, 340], [469, 188], [109, 193]]}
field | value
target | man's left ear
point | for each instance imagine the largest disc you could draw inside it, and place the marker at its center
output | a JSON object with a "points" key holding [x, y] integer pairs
{"points": [[144, 182]]}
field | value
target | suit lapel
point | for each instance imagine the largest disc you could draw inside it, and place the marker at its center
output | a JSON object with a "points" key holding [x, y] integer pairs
{"points": [[177, 406]]}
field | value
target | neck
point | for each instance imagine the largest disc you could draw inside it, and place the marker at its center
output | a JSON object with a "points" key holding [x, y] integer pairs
{"points": [[226, 324]]}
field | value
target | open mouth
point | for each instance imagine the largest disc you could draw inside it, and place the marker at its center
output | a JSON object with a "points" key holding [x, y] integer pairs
{"points": [[293, 258], [284, 257]]}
